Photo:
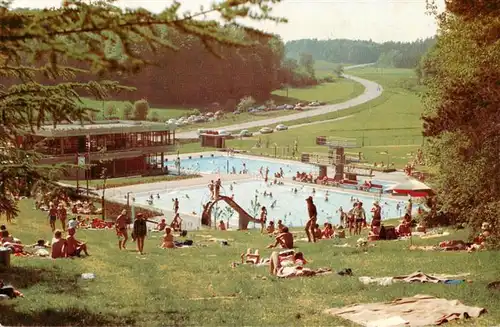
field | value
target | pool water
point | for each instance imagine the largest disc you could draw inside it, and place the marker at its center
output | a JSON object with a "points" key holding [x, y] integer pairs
{"points": [[229, 164], [284, 203]]}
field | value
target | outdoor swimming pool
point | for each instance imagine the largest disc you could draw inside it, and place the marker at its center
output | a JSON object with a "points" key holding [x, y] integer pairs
{"points": [[228, 164], [284, 204]]}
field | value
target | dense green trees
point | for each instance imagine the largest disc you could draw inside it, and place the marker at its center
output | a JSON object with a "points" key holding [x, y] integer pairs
{"points": [[102, 38], [393, 54], [191, 76], [462, 117]]}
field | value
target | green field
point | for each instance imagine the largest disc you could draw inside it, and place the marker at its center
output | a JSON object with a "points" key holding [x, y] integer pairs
{"points": [[325, 68], [390, 123], [181, 287], [340, 91]]}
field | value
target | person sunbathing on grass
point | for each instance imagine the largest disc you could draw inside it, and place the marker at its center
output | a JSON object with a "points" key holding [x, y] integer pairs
{"points": [[318, 234], [285, 266], [270, 227], [285, 240], [328, 231], [249, 257], [58, 246], [6, 240], [280, 226], [74, 247], [168, 239]]}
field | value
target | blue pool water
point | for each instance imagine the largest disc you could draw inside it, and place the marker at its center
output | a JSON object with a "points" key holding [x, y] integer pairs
{"points": [[225, 164], [288, 206]]}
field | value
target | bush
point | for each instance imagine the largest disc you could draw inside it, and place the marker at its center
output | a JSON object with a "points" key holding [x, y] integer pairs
{"points": [[128, 109], [141, 109], [110, 110], [246, 103], [195, 112], [155, 116]]}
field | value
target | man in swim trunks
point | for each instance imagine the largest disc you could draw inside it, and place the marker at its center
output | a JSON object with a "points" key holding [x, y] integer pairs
{"points": [[74, 247], [121, 229], [311, 222], [52, 216], [285, 240], [360, 216]]}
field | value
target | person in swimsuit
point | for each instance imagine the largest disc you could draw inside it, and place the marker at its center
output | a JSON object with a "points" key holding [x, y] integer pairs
{"points": [[73, 247], [168, 239], [58, 244], [62, 215], [284, 240], [360, 216], [176, 205], [140, 231], [311, 222], [121, 229], [52, 216], [263, 219]]}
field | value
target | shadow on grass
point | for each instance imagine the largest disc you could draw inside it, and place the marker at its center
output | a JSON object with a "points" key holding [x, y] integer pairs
{"points": [[25, 277], [59, 317]]}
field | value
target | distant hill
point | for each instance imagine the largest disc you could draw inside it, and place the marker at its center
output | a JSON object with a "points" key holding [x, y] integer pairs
{"points": [[390, 54]]}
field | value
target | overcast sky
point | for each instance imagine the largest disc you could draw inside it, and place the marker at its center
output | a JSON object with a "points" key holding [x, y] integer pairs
{"points": [[379, 20]]}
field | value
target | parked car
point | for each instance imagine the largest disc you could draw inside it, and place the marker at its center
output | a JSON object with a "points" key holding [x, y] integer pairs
{"points": [[314, 104], [266, 130], [289, 107], [236, 112], [282, 107], [245, 133], [224, 132], [281, 127]]}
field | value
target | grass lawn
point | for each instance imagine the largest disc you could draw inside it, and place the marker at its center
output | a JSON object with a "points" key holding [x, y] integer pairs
{"points": [[390, 123], [164, 287], [122, 181], [326, 68], [163, 113], [340, 91]]}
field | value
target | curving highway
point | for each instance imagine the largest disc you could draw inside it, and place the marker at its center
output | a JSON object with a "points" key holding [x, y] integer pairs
{"points": [[372, 91]]}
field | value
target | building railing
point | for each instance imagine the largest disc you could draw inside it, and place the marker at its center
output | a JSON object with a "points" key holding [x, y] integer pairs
{"points": [[129, 152]]}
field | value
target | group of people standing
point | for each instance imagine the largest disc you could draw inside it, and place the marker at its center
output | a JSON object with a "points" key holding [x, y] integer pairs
{"points": [[140, 229], [214, 188]]}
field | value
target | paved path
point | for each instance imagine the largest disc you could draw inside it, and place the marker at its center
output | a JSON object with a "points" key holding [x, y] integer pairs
{"points": [[372, 91]]}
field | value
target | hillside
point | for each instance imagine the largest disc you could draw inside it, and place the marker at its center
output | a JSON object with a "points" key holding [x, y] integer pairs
{"points": [[388, 54]]}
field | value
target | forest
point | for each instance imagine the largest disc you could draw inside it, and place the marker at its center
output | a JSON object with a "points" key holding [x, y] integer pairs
{"points": [[388, 54], [197, 73]]}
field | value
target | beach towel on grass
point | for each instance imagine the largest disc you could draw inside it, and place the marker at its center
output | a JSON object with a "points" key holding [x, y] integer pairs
{"points": [[416, 311], [416, 277]]}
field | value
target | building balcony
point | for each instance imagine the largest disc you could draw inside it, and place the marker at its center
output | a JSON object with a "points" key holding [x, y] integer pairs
{"points": [[108, 154]]}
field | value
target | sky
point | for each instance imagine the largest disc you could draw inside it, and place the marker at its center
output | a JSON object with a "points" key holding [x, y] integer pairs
{"points": [[378, 20]]}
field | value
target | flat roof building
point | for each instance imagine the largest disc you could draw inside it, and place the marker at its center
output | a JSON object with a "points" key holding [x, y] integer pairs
{"points": [[125, 148]]}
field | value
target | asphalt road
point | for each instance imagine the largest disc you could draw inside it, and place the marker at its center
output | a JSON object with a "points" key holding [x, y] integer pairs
{"points": [[372, 91]]}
